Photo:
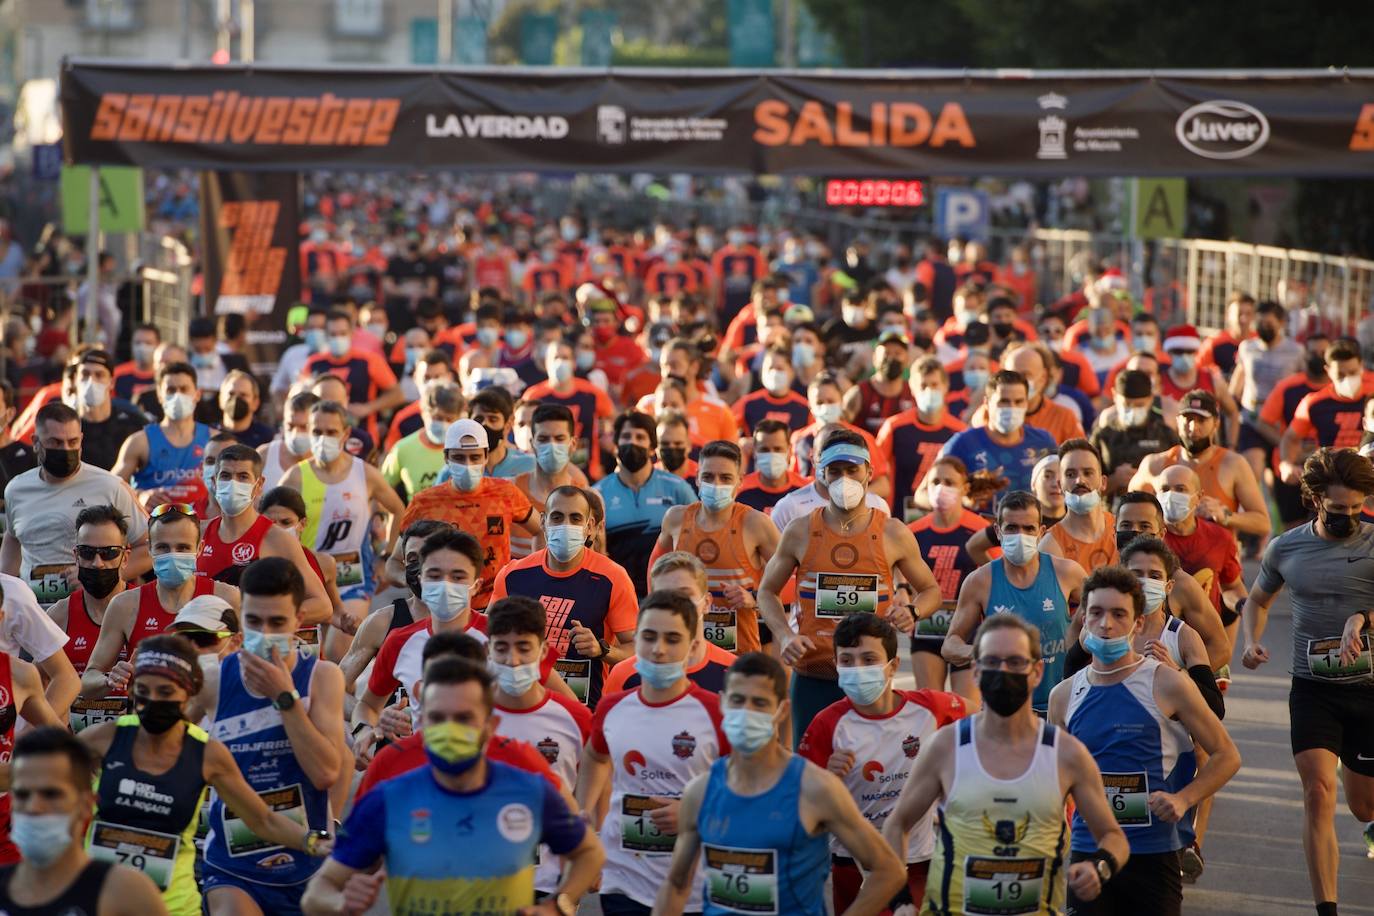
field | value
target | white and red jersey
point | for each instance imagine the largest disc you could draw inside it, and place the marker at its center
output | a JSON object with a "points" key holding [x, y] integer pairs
{"points": [[399, 663], [655, 751], [558, 728], [884, 750]]}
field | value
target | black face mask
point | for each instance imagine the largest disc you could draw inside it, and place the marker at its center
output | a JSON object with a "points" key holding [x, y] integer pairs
{"points": [[1196, 447], [60, 462], [1123, 538], [633, 457], [1003, 691], [1339, 525], [1316, 365], [1267, 333], [238, 410], [893, 369], [97, 581], [1001, 328], [413, 577], [672, 458], [494, 437], [157, 716]]}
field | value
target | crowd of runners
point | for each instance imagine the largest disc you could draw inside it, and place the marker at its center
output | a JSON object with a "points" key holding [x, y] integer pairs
{"points": [[558, 561]]}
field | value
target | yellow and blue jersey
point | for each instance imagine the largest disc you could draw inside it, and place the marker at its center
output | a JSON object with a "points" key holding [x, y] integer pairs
{"points": [[419, 827]]}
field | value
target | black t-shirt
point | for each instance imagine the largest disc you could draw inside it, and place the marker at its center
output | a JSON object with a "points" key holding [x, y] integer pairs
{"points": [[840, 338], [15, 459], [407, 267], [100, 442], [82, 896], [254, 434]]}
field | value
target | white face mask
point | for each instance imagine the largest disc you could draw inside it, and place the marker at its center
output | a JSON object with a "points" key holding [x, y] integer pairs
{"points": [[297, 444], [775, 381], [178, 406], [325, 448], [846, 493], [1133, 416], [1007, 420], [1349, 386], [929, 400], [1020, 549], [92, 393], [828, 413], [1176, 506]]}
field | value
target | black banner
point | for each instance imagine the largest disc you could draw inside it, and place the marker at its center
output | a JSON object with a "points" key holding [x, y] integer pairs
{"points": [[250, 223], [780, 122]]}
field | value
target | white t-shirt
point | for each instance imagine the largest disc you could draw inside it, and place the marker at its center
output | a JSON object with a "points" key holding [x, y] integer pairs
{"points": [[25, 627], [289, 367], [42, 515], [801, 503]]}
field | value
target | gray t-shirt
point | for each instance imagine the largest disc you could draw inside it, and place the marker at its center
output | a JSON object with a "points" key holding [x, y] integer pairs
{"points": [[1327, 582], [42, 516], [1265, 366]]}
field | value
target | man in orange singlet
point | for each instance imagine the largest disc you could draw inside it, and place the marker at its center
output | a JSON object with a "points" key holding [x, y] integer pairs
{"points": [[732, 541], [844, 555], [1087, 533], [1230, 494]]}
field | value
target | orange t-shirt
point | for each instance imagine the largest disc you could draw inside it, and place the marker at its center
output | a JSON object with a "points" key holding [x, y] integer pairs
{"points": [[487, 513]]}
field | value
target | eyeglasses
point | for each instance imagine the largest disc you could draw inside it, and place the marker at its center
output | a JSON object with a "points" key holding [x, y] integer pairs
{"points": [[89, 554], [1016, 664], [185, 509]]}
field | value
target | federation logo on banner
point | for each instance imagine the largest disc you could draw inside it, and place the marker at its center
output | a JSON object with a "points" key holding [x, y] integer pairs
{"points": [[1053, 129], [610, 125]]}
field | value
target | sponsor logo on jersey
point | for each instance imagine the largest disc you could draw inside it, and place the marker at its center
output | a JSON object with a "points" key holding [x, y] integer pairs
{"points": [[871, 770], [421, 825], [243, 554], [911, 745], [549, 748], [632, 761], [684, 745]]}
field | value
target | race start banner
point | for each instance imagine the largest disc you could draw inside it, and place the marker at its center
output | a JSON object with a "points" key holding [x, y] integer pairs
{"points": [[871, 123], [250, 222]]}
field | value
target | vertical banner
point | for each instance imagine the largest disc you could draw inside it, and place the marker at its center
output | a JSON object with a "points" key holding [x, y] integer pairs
{"points": [[250, 223], [753, 38], [597, 44], [122, 206], [424, 41], [538, 34], [470, 40]]}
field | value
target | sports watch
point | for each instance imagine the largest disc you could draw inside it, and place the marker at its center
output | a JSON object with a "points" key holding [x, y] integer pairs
{"points": [[285, 700]]}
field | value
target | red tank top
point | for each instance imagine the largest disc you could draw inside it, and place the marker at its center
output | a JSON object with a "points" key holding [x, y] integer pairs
{"points": [[225, 562], [727, 562], [314, 564], [152, 617], [1171, 388], [9, 853], [82, 633]]}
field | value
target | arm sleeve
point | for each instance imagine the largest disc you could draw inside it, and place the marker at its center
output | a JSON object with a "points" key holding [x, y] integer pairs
{"points": [[1269, 578], [818, 743], [597, 738], [362, 841], [623, 614], [563, 830], [33, 630]]}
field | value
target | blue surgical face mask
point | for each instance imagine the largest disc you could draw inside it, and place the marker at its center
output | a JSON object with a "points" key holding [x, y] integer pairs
{"points": [[445, 600], [560, 371], [747, 730], [466, 476], [173, 569], [803, 354], [586, 359], [565, 541], [659, 676], [436, 429], [1106, 650], [41, 838], [339, 344], [256, 642], [771, 464], [488, 336], [1019, 549], [516, 338], [716, 496], [233, 496], [863, 684], [552, 456], [1082, 503], [514, 680], [975, 379]]}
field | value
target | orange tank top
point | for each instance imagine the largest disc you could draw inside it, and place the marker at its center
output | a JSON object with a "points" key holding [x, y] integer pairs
{"points": [[840, 575], [727, 561], [1089, 554], [1208, 474]]}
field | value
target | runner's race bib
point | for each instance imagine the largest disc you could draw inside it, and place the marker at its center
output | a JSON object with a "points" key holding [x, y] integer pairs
{"points": [[1002, 887], [350, 569], [85, 713], [742, 880], [150, 852], [936, 626], [48, 584], [577, 672], [1324, 660], [1128, 794], [638, 833], [842, 594], [308, 641], [719, 627], [240, 841]]}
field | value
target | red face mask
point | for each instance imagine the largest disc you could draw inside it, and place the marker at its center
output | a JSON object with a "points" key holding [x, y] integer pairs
{"points": [[603, 334]]}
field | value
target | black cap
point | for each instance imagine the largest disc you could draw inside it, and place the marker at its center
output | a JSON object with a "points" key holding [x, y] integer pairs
{"points": [[1199, 402], [96, 358]]}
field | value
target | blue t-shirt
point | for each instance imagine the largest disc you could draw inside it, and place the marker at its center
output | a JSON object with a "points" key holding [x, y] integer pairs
{"points": [[421, 828], [975, 448], [635, 517]]}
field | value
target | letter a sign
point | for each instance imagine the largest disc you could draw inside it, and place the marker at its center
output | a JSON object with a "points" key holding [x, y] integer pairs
{"points": [[1161, 206]]}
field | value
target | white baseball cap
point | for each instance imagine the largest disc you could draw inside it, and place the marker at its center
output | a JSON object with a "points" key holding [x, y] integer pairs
{"points": [[203, 613], [465, 433]]}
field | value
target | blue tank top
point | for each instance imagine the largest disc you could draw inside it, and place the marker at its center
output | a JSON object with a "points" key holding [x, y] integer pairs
{"points": [[254, 734], [1042, 604], [178, 469], [756, 855], [1139, 750]]}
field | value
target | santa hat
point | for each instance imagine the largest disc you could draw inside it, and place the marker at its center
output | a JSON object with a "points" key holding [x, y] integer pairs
{"points": [[1181, 337]]}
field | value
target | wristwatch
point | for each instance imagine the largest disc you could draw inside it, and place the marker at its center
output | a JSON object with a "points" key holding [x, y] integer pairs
{"points": [[565, 905], [285, 700], [1105, 864], [605, 647]]}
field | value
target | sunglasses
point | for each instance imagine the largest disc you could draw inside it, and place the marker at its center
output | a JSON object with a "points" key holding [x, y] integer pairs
{"points": [[185, 509], [203, 639], [89, 554]]}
